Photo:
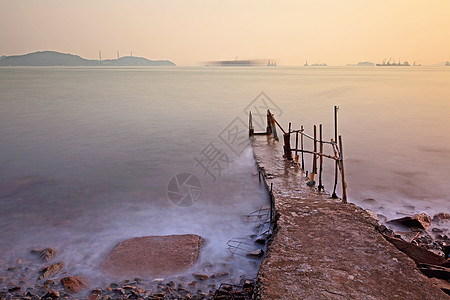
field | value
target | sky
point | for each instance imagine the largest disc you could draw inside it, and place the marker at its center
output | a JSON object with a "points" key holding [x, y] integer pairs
{"points": [[191, 32]]}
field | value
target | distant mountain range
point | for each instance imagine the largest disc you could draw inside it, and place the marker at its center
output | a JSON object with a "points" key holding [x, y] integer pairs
{"points": [[52, 58]]}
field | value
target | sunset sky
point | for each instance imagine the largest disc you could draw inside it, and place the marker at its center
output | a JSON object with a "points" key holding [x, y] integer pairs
{"points": [[189, 32]]}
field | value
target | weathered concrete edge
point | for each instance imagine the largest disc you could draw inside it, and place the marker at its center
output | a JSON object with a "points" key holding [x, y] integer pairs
{"points": [[367, 215]]}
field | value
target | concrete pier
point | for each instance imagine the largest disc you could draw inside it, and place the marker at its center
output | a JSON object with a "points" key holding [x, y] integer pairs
{"points": [[324, 249]]}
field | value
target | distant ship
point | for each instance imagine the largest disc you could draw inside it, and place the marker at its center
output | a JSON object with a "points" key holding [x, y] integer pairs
{"points": [[416, 65], [447, 63], [362, 64], [393, 64], [271, 63], [236, 63], [306, 64], [319, 65]]}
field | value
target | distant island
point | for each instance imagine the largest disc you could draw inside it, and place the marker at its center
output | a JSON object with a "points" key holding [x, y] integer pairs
{"points": [[52, 58]]}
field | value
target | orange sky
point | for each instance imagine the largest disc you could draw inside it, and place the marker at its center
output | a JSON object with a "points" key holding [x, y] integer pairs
{"points": [[189, 32]]}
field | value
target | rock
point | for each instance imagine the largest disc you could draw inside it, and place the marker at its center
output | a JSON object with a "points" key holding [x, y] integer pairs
{"points": [[45, 254], [422, 221], [220, 274], [129, 287], [74, 284], [384, 230], [153, 255], [435, 271], [97, 291], [19, 261], [94, 297], [256, 253], [441, 217], [409, 236], [200, 276], [53, 294], [51, 270], [418, 254], [437, 230]]}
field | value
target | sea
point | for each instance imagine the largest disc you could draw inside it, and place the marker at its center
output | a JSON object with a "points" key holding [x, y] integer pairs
{"points": [[90, 157]]}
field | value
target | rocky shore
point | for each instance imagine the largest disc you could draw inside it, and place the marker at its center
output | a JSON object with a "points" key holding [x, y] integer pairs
{"points": [[52, 282]]}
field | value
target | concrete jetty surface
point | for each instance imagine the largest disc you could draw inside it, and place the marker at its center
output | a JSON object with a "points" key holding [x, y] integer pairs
{"points": [[324, 249]]}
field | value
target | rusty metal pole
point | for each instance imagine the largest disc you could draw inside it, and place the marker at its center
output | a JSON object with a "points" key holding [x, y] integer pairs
{"points": [[335, 140], [296, 147], [320, 187], [344, 184]]}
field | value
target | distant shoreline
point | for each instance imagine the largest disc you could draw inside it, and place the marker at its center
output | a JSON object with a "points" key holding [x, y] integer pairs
{"points": [[57, 59]]}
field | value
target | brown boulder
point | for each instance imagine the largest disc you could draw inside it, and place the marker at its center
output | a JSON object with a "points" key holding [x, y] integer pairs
{"points": [[74, 284], [153, 255], [422, 221]]}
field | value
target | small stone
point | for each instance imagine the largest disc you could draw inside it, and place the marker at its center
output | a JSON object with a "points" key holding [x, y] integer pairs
{"points": [[49, 282], [200, 276], [50, 270], [441, 217], [257, 253], [193, 283], [129, 287], [12, 269], [158, 280], [220, 274], [74, 284], [52, 294], [119, 291], [171, 283], [437, 230], [19, 261], [93, 297], [45, 254], [98, 291]]}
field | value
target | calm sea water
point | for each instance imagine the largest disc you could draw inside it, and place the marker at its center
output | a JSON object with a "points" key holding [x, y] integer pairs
{"points": [[86, 154]]}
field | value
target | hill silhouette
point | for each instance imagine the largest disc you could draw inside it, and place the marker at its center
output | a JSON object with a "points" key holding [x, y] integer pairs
{"points": [[53, 58]]}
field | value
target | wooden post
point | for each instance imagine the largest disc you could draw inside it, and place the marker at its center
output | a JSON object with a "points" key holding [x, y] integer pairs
{"points": [[296, 147], [269, 123], [301, 143], [344, 184], [320, 187], [287, 146], [251, 130], [314, 163], [336, 164]]}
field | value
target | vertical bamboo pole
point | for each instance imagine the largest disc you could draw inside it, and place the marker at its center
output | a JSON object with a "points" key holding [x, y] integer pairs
{"points": [[336, 164], [314, 163], [251, 130], [301, 143], [320, 187], [344, 184]]}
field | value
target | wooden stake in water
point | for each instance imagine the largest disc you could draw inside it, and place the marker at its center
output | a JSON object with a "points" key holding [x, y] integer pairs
{"points": [[335, 140], [314, 162], [344, 184], [301, 143], [296, 147], [320, 187]]}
